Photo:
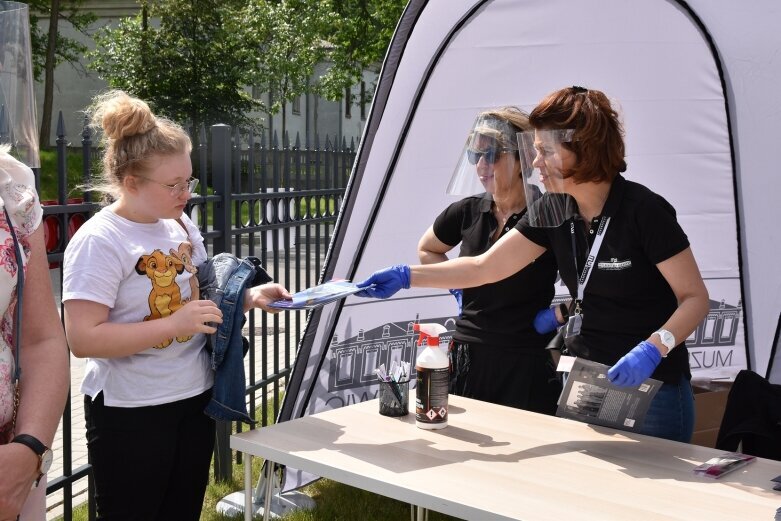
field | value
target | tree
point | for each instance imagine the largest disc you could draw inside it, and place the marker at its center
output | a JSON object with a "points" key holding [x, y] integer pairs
{"points": [[359, 35], [192, 66], [286, 39], [198, 61], [51, 49]]}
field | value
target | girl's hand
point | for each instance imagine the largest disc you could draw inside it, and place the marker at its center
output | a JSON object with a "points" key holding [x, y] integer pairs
{"points": [[261, 296], [193, 317]]}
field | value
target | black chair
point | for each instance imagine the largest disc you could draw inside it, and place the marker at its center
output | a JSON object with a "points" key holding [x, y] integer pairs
{"points": [[752, 417]]}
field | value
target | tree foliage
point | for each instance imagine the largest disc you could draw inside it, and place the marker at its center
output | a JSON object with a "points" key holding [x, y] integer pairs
{"points": [[359, 37], [67, 50], [285, 39], [51, 49], [192, 63], [198, 59]]}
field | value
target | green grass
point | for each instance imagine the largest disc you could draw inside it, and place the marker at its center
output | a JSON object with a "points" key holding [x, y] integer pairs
{"points": [[49, 174]]}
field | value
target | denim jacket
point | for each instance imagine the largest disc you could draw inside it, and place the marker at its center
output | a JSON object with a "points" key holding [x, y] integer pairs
{"points": [[223, 279]]}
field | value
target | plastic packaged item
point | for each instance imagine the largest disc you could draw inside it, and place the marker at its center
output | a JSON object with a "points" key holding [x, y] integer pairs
{"points": [[723, 464], [433, 373]]}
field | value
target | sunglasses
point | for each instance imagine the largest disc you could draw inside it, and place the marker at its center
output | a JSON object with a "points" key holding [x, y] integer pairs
{"points": [[491, 155]]}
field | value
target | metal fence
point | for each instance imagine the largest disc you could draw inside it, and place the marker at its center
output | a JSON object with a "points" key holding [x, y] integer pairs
{"points": [[278, 203]]}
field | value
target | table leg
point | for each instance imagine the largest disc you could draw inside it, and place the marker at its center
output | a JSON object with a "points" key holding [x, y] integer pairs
{"points": [[422, 514], [269, 490], [247, 487]]}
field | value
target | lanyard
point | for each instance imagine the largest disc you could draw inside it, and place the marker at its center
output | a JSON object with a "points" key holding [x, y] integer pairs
{"points": [[592, 257]]}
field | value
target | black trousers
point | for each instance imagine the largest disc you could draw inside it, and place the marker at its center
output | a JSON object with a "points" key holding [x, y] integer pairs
{"points": [[515, 377], [150, 462]]}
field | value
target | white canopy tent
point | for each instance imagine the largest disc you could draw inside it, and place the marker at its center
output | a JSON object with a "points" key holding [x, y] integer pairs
{"points": [[696, 84]]}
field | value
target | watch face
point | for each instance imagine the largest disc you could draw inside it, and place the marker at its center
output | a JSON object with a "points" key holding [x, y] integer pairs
{"points": [[46, 460], [667, 339]]}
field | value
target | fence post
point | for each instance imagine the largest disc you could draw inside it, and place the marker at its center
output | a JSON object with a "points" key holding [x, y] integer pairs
{"points": [[221, 183], [86, 158], [62, 167]]}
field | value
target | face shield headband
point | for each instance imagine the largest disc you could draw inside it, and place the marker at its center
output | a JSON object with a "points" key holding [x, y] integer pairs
{"points": [[490, 150]]}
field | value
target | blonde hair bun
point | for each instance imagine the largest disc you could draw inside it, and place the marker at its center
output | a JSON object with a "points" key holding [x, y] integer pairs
{"points": [[121, 115]]}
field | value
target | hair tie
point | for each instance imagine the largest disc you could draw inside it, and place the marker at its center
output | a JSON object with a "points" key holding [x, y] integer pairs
{"points": [[578, 89]]}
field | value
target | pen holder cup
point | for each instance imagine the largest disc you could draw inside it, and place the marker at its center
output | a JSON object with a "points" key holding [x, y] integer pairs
{"points": [[394, 398]]}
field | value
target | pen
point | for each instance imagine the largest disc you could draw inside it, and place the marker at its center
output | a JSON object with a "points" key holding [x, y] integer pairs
{"points": [[397, 391]]}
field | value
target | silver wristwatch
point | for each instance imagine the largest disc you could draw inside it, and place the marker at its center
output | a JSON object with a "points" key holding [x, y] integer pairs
{"points": [[668, 340]]}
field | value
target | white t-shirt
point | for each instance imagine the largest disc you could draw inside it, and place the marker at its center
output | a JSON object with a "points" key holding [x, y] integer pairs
{"points": [[17, 194], [139, 271]]}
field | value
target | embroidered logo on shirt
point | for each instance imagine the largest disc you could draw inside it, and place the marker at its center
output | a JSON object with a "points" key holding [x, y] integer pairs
{"points": [[614, 264]]}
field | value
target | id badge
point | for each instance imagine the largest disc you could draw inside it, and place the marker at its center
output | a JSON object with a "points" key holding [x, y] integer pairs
{"points": [[573, 325]]}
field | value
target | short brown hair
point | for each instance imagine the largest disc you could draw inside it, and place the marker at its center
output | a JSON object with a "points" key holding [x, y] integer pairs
{"points": [[598, 138]]}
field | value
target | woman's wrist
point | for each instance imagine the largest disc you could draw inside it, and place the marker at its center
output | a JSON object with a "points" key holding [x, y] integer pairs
{"points": [[562, 313]]}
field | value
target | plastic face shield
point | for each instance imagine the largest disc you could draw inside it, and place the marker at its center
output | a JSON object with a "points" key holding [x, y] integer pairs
{"points": [[17, 102], [543, 165], [484, 157]]}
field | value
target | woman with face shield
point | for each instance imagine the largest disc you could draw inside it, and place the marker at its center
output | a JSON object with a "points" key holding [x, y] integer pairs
{"points": [[637, 290], [495, 355]]}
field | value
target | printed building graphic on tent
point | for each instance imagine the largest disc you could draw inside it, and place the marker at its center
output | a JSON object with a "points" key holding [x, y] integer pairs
{"points": [[720, 327], [353, 361]]}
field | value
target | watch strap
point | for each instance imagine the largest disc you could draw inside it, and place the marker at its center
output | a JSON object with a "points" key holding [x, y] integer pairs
{"points": [[667, 339], [37, 447], [32, 442]]}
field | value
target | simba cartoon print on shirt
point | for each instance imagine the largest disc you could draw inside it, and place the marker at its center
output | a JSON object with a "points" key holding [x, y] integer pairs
{"points": [[185, 256], [165, 297]]}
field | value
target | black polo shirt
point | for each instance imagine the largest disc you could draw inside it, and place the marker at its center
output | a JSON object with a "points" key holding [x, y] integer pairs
{"points": [[499, 314], [627, 298]]}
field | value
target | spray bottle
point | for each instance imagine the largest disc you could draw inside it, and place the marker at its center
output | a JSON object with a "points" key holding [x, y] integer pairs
{"points": [[433, 373]]}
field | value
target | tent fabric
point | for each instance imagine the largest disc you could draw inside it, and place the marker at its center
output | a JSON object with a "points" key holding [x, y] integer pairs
{"points": [[773, 373], [693, 84]]}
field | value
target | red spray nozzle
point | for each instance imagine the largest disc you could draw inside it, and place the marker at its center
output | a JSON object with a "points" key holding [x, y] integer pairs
{"points": [[430, 332]]}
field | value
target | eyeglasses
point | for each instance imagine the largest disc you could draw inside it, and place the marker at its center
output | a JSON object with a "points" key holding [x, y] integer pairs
{"points": [[491, 155], [178, 188]]}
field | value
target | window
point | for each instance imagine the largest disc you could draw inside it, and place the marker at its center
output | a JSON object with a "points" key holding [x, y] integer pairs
{"points": [[296, 105], [348, 106], [363, 100]]}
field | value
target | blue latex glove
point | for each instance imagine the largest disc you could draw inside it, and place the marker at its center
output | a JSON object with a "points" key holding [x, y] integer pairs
{"points": [[635, 366], [459, 295], [546, 321], [385, 282]]}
